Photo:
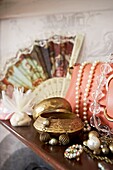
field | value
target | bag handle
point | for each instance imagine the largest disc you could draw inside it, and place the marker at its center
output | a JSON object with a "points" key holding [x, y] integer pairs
{"points": [[109, 98]]}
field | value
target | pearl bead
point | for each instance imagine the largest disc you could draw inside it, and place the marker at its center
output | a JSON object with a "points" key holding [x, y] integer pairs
{"points": [[77, 88], [84, 108], [78, 115], [89, 81], [53, 141], [90, 76], [78, 79], [85, 99], [46, 122], [84, 113], [88, 85], [93, 133], [77, 111], [91, 71], [87, 89], [77, 101], [85, 117], [80, 71], [89, 128], [77, 97], [93, 143], [84, 129], [85, 94], [76, 92], [86, 121], [81, 67], [92, 68], [85, 103], [77, 106]]}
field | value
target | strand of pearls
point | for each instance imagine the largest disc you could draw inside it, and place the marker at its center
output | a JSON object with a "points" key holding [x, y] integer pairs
{"points": [[77, 88], [85, 101]]}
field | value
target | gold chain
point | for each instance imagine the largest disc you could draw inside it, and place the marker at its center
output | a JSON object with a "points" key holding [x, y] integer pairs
{"points": [[102, 158]]}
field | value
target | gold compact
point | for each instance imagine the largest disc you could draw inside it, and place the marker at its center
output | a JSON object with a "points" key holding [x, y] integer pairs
{"points": [[58, 121], [51, 104]]}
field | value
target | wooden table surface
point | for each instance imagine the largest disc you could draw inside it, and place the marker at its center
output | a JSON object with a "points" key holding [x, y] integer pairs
{"points": [[54, 155]]}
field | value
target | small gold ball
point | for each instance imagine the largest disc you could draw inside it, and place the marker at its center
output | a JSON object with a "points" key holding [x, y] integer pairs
{"points": [[64, 139], [78, 158], [85, 143], [111, 147], [97, 152], [93, 133], [105, 150], [44, 137]]}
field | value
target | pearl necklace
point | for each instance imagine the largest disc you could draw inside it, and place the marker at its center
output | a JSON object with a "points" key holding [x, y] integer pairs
{"points": [[77, 88], [85, 101], [77, 93]]}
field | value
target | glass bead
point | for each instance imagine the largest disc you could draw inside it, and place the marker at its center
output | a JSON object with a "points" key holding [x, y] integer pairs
{"points": [[95, 108], [98, 94], [100, 80], [104, 130], [97, 120], [112, 131]]}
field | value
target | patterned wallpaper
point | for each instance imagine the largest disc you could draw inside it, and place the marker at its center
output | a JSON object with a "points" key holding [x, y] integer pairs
{"points": [[97, 26]]}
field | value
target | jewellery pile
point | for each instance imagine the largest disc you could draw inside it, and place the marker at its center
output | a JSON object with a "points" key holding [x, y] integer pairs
{"points": [[62, 140], [45, 136], [99, 147], [73, 151]]}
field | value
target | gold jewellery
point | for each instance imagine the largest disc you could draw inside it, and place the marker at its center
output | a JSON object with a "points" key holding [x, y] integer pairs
{"points": [[73, 151], [98, 147], [107, 116]]}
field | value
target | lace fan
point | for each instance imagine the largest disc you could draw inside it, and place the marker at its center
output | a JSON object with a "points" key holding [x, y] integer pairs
{"points": [[45, 59], [54, 87]]}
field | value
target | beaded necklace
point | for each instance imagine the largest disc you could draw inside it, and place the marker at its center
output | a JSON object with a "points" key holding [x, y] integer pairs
{"points": [[87, 89], [85, 101], [77, 88]]}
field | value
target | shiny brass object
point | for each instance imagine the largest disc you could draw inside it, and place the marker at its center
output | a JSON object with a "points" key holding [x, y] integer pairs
{"points": [[62, 121], [44, 137], [111, 147], [51, 104], [64, 139]]}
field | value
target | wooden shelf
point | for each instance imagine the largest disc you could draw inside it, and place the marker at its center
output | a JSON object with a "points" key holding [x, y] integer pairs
{"points": [[52, 154]]}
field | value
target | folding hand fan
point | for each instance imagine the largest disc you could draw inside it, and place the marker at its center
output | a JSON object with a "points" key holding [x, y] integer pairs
{"points": [[43, 60], [53, 87]]}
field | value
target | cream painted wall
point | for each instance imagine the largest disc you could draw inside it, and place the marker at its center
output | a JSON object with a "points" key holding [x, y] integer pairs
{"points": [[22, 22], [18, 8]]}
